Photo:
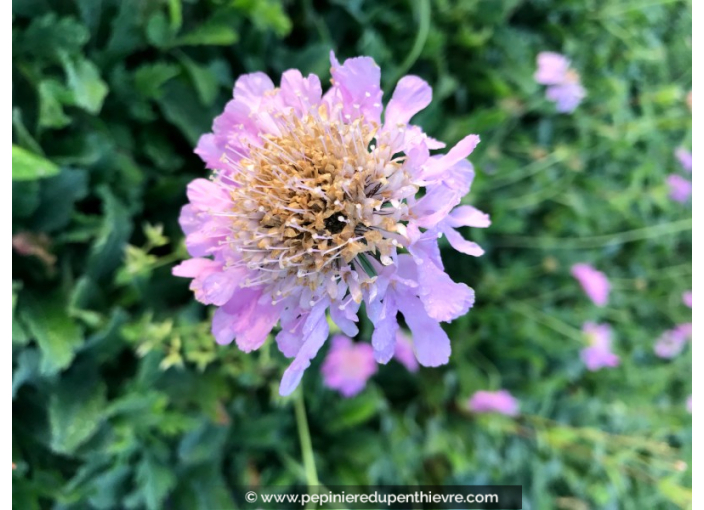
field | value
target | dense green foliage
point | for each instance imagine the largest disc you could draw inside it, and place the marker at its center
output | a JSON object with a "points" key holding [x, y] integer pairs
{"points": [[121, 399]]}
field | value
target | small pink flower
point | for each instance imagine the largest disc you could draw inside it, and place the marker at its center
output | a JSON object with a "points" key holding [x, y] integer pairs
{"points": [[348, 366], [685, 158], [564, 87], [494, 402], [687, 298], [598, 354], [680, 188], [552, 68], [672, 341], [595, 283], [404, 353]]}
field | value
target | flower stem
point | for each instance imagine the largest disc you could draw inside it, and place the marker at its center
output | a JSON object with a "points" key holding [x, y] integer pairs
{"points": [[306, 444]]}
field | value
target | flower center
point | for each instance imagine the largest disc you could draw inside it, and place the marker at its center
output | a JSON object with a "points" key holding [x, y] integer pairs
{"points": [[316, 197]]}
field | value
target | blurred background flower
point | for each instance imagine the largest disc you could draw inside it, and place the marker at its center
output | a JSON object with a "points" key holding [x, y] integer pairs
{"points": [[348, 365], [598, 354], [500, 401]]}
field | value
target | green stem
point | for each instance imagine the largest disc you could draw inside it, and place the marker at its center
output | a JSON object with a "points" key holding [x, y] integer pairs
{"points": [[423, 14], [306, 444], [548, 320], [591, 242]]}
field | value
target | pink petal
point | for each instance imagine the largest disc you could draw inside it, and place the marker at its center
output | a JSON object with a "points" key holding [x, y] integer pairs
{"points": [[358, 82], [251, 88], [460, 244], [431, 342], [410, 96], [468, 216]]}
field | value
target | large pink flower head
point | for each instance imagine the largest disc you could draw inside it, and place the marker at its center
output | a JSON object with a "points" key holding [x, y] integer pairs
{"points": [[348, 366], [316, 204], [564, 87], [598, 354], [595, 283]]}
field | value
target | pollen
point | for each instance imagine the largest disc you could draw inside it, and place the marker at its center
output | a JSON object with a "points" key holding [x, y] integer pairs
{"points": [[315, 198]]}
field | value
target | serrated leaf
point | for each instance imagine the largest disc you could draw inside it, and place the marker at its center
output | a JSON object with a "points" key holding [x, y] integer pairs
{"points": [[156, 480], [149, 78], [52, 96], [57, 197], [48, 37], [266, 14], [83, 78], [107, 251], [159, 32], [178, 106], [27, 369], [28, 167], [57, 335], [210, 33], [204, 80], [75, 411], [198, 445]]}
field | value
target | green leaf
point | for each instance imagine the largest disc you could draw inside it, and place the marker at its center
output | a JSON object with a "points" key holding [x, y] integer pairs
{"points": [[24, 138], [75, 411], [52, 95], [25, 198], [211, 33], [178, 106], [266, 14], [351, 412], [19, 334], [204, 80], [58, 195], [28, 167], [48, 37], [26, 370], [83, 78], [175, 14], [199, 445], [107, 251], [57, 335], [149, 78], [156, 480], [159, 32]]}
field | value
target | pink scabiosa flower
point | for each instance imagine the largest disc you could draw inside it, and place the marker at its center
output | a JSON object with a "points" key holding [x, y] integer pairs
{"points": [[564, 87], [494, 402], [687, 298], [685, 158], [348, 366], [672, 341], [316, 205], [598, 354], [595, 283], [680, 188], [404, 351]]}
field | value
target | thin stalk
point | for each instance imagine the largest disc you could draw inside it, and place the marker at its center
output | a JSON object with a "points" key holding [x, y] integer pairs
{"points": [[306, 444]]}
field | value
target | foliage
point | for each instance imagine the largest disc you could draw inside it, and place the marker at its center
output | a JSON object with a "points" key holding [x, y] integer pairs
{"points": [[122, 400]]}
